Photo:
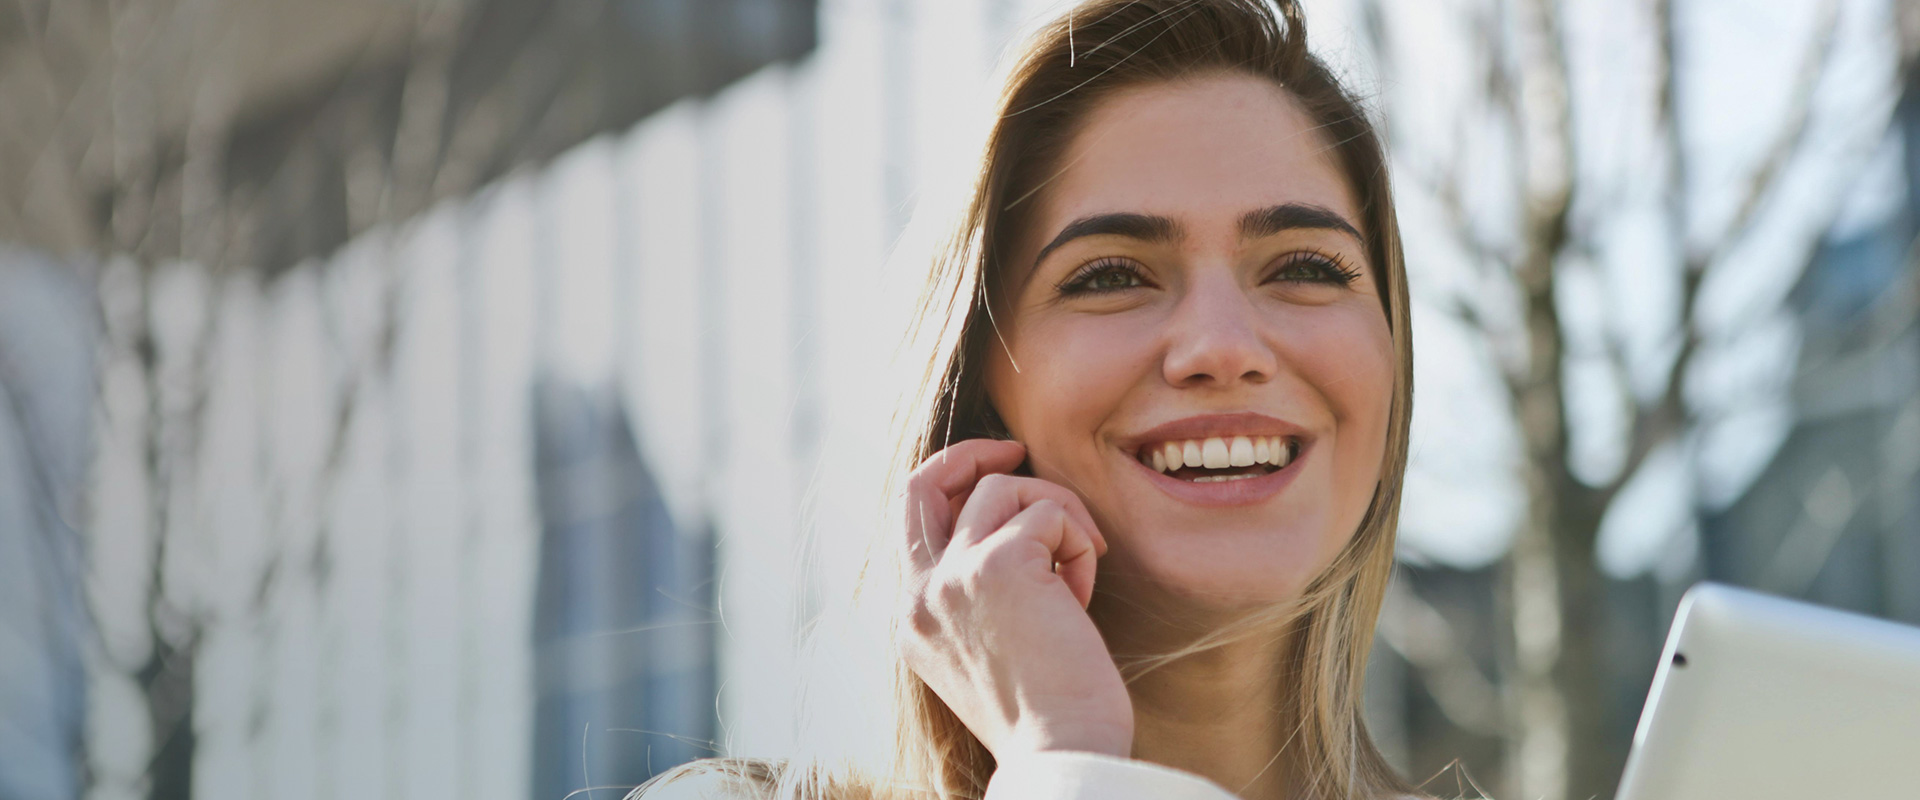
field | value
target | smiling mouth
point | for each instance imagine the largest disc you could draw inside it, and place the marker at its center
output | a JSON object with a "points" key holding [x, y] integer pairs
{"points": [[1220, 458]]}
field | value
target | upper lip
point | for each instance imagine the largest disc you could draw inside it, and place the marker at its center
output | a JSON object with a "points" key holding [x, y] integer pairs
{"points": [[1211, 425]]}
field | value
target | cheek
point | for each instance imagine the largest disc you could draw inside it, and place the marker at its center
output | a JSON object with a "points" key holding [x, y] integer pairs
{"points": [[1066, 378], [1348, 358]]}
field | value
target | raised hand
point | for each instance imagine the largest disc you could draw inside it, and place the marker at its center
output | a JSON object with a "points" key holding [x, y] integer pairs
{"points": [[999, 572]]}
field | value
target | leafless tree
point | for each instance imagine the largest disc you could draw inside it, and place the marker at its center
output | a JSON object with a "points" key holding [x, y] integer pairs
{"points": [[1550, 690]]}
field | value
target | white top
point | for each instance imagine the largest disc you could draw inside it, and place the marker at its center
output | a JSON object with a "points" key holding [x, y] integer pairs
{"points": [[1053, 775], [1059, 775]]}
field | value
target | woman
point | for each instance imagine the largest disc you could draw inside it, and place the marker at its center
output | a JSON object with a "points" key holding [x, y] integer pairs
{"points": [[1153, 493]]}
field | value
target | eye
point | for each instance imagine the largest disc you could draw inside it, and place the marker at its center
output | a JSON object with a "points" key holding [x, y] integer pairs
{"points": [[1308, 266], [1102, 276]]}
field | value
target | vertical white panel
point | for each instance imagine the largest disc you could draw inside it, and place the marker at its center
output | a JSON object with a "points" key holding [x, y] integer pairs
{"points": [[179, 306], [227, 474], [298, 385], [753, 491], [850, 242], [117, 508], [222, 760], [426, 373], [665, 372], [228, 499], [299, 382], [507, 550], [948, 103], [289, 677], [355, 684], [580, 215], [360, 519], [847, 201]]}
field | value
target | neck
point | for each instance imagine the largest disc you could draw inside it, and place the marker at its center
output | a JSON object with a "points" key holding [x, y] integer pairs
{"points": [[1222, 714]]}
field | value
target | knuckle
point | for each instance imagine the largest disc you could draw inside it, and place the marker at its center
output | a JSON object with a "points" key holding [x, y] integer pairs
{"points": [[948, 591], [965, 581], [1072, 507], [922, 621], [996, 482], [1043, 516], [971, 579]]}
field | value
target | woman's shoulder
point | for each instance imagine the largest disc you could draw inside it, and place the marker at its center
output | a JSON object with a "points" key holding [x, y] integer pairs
{"points": [[1072, 775]]}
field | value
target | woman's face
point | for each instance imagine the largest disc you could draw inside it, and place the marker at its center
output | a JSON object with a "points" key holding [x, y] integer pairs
{"points": [[1193, 284]]}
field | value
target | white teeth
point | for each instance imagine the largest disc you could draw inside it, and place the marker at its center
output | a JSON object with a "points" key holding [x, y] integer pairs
{"points": [[1219, 452], [1240, 452], [1214, 453]]}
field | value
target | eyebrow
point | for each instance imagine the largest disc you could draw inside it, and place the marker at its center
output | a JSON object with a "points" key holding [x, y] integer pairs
{"points": [[1153, 228], [1288, 216], [1145, 227]]}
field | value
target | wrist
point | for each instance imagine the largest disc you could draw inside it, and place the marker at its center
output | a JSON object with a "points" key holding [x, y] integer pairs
{"points": [[1108, 741]]}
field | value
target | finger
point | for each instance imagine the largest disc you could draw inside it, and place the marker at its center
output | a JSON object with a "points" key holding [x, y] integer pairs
{"points": [[937, 482], [997, 498], [1054, 527], [958, 502], [962, 464]]}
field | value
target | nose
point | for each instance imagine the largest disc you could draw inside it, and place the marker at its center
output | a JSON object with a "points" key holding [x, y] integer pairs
{"points": [[1214, 338]]}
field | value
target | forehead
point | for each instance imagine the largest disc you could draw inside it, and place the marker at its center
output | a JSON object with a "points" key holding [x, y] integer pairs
{"points": [[1203, 151]]}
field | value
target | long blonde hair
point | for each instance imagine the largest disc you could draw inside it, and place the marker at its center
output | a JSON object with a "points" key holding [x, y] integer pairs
{"points": [[1070, 65]]}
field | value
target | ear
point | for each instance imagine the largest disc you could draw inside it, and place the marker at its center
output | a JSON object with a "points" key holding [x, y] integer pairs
{"points": [[993, 426]]}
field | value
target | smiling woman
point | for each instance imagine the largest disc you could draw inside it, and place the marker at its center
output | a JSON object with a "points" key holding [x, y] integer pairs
{"points": [[1156, 466]]}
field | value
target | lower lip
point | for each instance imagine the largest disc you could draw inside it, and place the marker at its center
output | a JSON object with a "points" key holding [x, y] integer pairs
{"points": [[1226, 493]]}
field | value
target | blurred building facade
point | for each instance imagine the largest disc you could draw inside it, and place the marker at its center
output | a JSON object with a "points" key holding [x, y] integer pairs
{"points": [[340, 539]]}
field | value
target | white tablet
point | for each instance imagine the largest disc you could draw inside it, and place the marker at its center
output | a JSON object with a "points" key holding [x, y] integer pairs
{"points": [[1761, 698]]}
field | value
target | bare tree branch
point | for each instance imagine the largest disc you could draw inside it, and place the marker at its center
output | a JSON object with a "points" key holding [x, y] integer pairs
{"points": [[1791, 137], [1667, 416]]}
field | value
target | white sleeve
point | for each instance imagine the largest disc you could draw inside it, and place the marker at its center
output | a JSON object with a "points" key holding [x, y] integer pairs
{"points": [[1061, 775]]}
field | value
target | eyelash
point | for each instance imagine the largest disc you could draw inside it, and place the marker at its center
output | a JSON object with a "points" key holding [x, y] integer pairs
{"points": [[1331, 269], [1080, 282]]}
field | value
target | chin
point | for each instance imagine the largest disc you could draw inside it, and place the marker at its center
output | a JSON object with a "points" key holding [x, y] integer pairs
{"points": [[1224, 570]]}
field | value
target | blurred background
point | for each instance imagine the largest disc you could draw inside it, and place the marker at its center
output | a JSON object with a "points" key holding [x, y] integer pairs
{"points": [[477, 398]]}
